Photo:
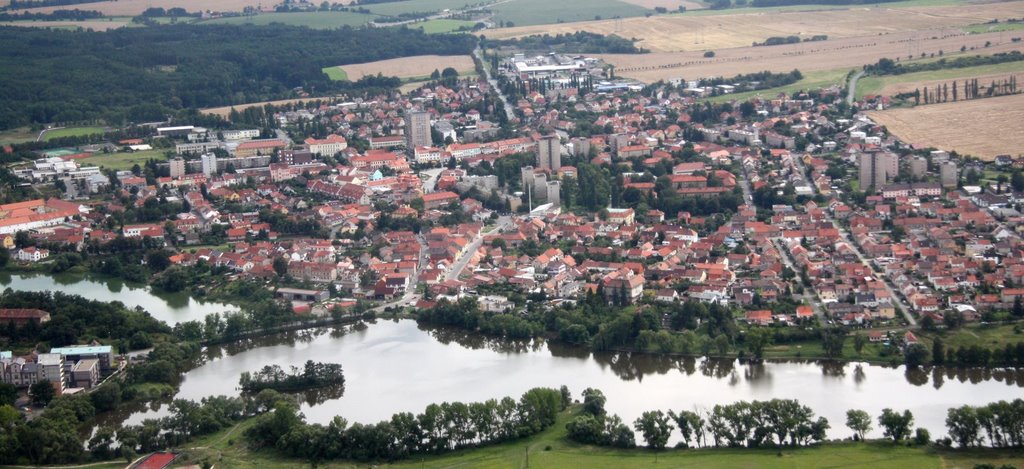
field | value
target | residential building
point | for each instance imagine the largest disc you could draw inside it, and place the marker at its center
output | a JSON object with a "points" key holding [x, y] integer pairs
{"points": [[209, 161], [918, 166], [104, 354], [85, 373], [948, 174], [32, 254], [877, 169], [549, 153], [439, 199], [328, 146], [240, 134], [177, 167], [22, 316], [417, 131]]}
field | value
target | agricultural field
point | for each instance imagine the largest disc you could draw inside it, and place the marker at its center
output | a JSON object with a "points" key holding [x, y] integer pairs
{"points": [[95, 25], [409, 67], [670, 5], [994, 28], [442, 26], [894, 84], [315, 20], [336, 73], [982, 127], [715, 30], [420, 6], [224, 111], [136, 7], [845, 53], [72, 132], [123, 160], [19, 135], [546, 12]]}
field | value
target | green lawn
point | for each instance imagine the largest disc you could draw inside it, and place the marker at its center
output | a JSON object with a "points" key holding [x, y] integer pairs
{"points": [[989, 336], [993, 28], [534, 12], [875, 84], [72, 132], [315, 20], [336, 73], [123, 160], [550, 449], [442, 26], [810, 81]]}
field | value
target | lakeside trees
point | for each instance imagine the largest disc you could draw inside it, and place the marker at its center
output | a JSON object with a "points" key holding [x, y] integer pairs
{"points": [[312, 375]]}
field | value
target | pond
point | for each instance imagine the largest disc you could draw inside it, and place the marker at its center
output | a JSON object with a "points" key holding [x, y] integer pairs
{"points": [[171, 308], [396, 366]]}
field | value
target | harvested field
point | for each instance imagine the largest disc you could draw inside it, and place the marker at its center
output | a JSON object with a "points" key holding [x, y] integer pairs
{"points": [[982, 127], [687, 32], [409, 67], [897, 88], [851, 52], [95, 25], [671, 5], [136, 7], [226, 110]]}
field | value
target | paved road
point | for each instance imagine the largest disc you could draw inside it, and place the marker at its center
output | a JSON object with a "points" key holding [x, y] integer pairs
{"points": [[467, 254], [431, 181], [808, 298], [509, 110], [851, 93]]}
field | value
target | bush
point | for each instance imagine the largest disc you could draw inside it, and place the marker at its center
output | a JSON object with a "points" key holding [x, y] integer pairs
{"points": [[709, 54], [922, 437]]}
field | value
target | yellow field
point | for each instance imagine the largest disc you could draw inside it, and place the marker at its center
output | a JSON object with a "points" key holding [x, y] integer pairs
{"points": [[226, 110], [671, 5], [982, 127], [674, 33], [409, 67], [136, 7], [852, 52]]}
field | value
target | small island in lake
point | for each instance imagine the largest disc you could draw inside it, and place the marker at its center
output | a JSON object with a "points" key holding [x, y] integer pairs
{"points": [[312, 375]]}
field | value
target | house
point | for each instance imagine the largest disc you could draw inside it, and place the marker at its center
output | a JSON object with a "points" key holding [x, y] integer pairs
{"points": [[32, 254], [439, 199], [621, 285], [762, 317], [329, 146], [22, 316]]}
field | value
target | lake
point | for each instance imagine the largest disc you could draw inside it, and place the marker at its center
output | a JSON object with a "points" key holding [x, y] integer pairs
{"points": [[395, 366], [171, 308]]}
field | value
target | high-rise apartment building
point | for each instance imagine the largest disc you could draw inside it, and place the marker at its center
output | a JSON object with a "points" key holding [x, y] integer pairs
{"points": [[417, 129]]}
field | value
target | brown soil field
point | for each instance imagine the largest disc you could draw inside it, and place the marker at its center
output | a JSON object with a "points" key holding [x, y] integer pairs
{"points": [[983, 80], [409, 67], [95, 25], [226, 110], [672, 5], [135, 7], [982, 127], [674, 33], [832, 54]]}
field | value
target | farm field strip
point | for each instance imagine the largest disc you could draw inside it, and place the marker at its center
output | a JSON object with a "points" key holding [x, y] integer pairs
{"points": [[224, 111], [96, 25], [546, 12], [409, 67], [847, 53], [894, 84], [136, 7], [982, 127], [315, 20], [690, 32]]}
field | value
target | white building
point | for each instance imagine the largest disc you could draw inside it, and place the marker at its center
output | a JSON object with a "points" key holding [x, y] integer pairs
{"points": [[428, 155], [241, 134], [209, 162], [329, 146]]}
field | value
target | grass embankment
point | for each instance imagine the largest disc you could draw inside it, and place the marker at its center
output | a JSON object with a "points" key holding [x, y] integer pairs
{"points": [[551, 449], [987, 336]]}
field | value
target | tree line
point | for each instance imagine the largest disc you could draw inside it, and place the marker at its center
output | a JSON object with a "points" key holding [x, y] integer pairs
{"points": [[1002, 423], [970, 90], [580, 42], [891, 67], [57, 15]]}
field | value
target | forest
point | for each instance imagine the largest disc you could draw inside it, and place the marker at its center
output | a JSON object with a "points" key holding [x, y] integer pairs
{"points": [[580, 42], [145, 74]]}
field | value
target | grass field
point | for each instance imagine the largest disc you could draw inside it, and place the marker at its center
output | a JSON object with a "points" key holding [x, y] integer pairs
{"points": [[72, 132], [95, 25], [224, 111], [315, 20], [442, 26], [537, 12], [550, 449], [419, 6], [811, 81], [123, 161], [994, 28], [981, 335], [136, 7], [982, 127], [894, 84], [19, 135], [336, 73]]}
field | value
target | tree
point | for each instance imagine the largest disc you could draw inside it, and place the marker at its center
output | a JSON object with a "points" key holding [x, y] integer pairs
{"points": [[1018, 307], [8, 394], [691, 425], [655, 428], [832, 342], [922, 436], [757, 340], [859, 341], [895, 425], [938, 352], [106, 397], [859, 421], [593, 402], [915, 355], [281, 266], [963, 426], [42, 392]]}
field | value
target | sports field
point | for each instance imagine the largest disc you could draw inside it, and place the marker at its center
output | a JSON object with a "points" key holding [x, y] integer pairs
{"points": [[72, 132], [982, 127], [123, 160]]}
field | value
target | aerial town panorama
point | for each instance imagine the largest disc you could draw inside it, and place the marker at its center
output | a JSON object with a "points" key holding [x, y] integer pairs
{"points": [[512, 233]]}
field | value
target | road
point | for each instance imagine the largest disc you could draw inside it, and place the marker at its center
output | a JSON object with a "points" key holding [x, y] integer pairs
{"points": [[467, 254], [509, 110], [851, 93], [431, 181], [904, 307], [282, 135], [808, 298]]}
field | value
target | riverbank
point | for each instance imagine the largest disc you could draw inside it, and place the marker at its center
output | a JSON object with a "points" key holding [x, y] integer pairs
{"points": [[551, 449]]}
